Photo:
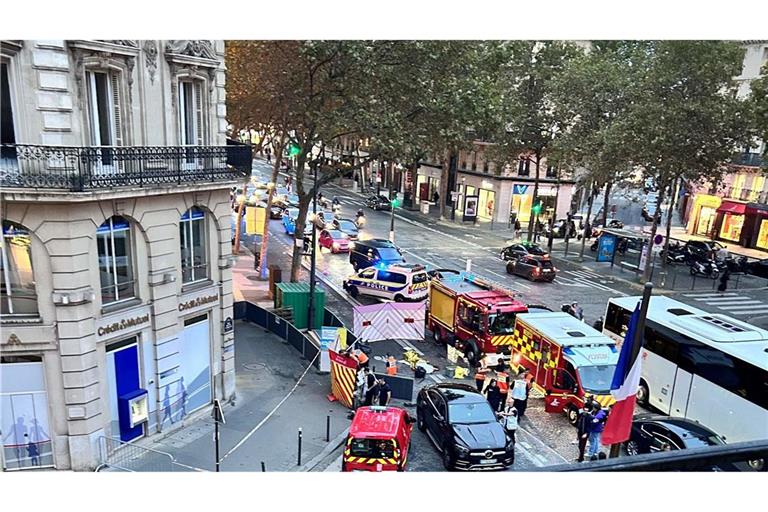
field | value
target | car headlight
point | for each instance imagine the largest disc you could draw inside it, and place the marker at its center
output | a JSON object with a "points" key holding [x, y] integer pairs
{"points": [[510, 444], [462, 451]]}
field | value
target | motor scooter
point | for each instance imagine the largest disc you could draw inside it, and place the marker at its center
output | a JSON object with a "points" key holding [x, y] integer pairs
{"points": [[705, 268]]}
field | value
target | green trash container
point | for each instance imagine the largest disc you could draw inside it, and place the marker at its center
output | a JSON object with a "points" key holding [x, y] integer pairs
{"points": [[296, 297]]}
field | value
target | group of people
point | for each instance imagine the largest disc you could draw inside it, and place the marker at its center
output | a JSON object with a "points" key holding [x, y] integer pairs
{"points": [[507, 395], [372, 390], [589, 428]]}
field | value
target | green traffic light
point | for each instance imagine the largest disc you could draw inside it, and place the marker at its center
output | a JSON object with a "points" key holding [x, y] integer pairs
{"points": [[536, 208], [293, 150]]}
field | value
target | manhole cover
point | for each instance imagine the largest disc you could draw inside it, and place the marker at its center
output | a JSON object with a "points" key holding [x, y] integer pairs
{"points": [[255, 367]]}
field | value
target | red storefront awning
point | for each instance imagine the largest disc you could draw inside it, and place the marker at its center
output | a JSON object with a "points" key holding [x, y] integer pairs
{"points": [[732, 207]]}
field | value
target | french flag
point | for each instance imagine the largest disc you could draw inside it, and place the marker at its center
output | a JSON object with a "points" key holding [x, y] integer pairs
{"points": [[626, 380]]}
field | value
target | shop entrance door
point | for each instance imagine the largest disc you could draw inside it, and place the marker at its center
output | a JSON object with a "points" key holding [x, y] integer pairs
{"points": [[124, 377], [194, 388], [24, 414]]}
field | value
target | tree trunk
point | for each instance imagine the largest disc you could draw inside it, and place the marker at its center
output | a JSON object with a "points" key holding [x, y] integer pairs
{"points": [[533, 219], [298, 236], [588, 223], [265, 235], [654, 227], [445, 174], [606, 199], [672, 199]]}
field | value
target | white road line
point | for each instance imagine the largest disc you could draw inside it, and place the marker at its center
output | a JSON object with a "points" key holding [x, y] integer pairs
{"points": [[733, 303], [717, 298], [753, 312], [710, 294], [753, 306]]}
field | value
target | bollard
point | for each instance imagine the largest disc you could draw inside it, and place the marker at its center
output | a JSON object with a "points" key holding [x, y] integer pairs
{"points": [[328, 429], [263, 467], [299, 456], [693, 281], [714, 283]]}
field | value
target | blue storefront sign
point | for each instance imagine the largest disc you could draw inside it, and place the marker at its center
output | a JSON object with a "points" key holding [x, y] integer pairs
{"points": [[519, 189], [606, 247]]}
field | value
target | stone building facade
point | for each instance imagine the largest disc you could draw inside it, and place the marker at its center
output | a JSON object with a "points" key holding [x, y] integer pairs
{"points": [[116, 248]]}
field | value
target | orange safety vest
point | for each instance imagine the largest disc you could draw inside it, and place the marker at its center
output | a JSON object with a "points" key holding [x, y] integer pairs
{"points": [[391, 366], [501, 380], [480, 373], [361, 357]]}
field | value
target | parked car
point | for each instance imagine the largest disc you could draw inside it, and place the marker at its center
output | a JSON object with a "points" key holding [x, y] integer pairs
{"points": [[335, 240], [758, 268], [463, 427], [347, 226], [653, 433], [700, 249], [378, 203], [376, 251], [517, 251], [533, 268]]}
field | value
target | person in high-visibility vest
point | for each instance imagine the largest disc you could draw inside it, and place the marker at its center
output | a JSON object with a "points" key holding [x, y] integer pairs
{"points": [[480, 372], [362, 358], [391, 365], [502, 378]]}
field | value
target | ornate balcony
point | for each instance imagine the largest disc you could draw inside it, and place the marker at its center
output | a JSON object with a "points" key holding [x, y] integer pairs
{"points": [[77, 169]]}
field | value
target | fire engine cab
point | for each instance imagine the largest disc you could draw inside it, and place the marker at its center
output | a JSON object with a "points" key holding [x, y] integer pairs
{"points": [[378, 440], [568, 360], [476, 315]]}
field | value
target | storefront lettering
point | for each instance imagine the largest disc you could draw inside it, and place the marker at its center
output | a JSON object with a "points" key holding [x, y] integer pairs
{"points": [[199, 301], [125, 323]]}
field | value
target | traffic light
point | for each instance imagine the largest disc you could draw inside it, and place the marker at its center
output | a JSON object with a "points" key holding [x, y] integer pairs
{"points": [[395, 203], [293, 149], [536, 209]]}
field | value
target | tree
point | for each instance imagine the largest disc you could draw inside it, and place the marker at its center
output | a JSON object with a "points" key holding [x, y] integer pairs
{"points": [[684, 119], [529, 123], [758, 101]]}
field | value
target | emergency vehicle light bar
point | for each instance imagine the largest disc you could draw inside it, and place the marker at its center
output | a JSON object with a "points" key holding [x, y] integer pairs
{"points": [[491, 285]]}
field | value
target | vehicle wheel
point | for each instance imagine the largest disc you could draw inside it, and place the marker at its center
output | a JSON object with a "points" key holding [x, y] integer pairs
{"points": [[643, 394], [510, 268], [471, 352], [573, 415], [632, 448], [715, 275], [353, 291], [437, 336], [447, 458], [420, 422], [757, 464], [399, 298]]}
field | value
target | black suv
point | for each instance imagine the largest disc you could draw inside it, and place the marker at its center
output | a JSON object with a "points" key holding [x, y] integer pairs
{"points": [[378, 203], [464, 428], [517, 251]]}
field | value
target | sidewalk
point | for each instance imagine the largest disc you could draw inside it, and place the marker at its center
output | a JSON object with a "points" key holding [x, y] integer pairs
{"points": [[678, 233]]}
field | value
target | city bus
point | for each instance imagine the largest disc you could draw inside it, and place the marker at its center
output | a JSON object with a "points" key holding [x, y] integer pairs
{"points": [[709, 368]]}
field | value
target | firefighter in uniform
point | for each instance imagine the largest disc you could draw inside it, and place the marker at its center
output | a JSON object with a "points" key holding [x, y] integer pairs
{"points": [[391, 365], [502, 378], [481, 371]]}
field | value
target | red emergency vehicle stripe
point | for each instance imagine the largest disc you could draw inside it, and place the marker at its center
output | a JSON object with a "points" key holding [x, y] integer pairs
{"points": [[343, 379]]}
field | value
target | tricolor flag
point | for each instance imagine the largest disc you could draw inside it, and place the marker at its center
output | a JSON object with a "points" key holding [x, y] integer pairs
{"points": [[626, 380]]}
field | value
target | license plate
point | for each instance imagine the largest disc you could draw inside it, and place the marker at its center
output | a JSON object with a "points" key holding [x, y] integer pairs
{"points": [[488, 461], [547, 270]]}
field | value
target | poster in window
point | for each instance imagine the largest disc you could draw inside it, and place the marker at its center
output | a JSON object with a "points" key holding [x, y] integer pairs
{"points": [[470, 207]]}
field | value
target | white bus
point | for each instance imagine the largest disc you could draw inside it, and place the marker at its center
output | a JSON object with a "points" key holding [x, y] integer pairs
{"points": [[706, 367]]}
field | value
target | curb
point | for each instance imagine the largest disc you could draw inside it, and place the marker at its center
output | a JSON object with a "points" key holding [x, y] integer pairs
{"points": [[330, 448]]}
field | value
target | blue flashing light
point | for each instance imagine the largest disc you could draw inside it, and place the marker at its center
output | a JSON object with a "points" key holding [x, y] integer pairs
{"points": [[613, 348], [381, 266], [567, 350]]}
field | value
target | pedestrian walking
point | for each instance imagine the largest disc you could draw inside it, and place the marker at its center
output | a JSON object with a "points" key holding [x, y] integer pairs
{"points": [[269, 155], [509, 421], [493, 395], [724, 281], [435, 197], [520, 393], [595, 429], [481, 371], [518, 229], [582, 421], [385, 393], [371, 388]]}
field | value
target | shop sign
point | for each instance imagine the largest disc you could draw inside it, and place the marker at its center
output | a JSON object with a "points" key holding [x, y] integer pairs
{"points": [[198, 301], [470, 207], [519, 189], [229, 325], [125, 323]]}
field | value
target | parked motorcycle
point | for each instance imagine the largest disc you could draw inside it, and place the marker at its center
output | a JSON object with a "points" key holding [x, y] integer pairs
{"points": [[675, 254], [705, 268]]}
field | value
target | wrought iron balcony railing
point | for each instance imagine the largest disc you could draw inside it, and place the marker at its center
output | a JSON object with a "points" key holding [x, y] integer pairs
{"points": [[101, 167]]}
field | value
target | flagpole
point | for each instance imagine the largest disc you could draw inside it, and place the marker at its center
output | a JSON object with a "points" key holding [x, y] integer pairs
{"points": [[637, 343]]}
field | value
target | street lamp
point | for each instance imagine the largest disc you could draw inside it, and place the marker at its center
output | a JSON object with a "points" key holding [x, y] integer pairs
{"points": [[313, 260]]}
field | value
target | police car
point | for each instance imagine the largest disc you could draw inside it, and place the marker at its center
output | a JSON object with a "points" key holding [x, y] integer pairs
{"points": [[402, 282]]}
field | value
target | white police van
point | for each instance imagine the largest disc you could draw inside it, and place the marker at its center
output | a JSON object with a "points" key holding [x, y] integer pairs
{"points": [[401, 282]]}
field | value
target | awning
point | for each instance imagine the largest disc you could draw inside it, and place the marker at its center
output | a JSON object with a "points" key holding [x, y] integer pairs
{"points": [[757, 209], [732, 207]]}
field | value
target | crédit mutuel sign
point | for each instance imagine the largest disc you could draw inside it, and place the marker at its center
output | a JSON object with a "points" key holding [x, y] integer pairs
{"points": [[123, 324], [198, 301]]}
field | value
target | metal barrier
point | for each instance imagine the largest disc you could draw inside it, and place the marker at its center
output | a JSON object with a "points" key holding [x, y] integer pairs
{"points": [[122, 456]]}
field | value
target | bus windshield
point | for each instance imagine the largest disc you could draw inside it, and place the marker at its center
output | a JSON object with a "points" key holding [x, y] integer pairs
{"points": [[501, 323], [597, 379]]}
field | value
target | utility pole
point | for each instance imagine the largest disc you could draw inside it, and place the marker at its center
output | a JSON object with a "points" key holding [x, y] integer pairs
{"points": [[218, 417], [392, 203], [313, 260], [637, 343]]}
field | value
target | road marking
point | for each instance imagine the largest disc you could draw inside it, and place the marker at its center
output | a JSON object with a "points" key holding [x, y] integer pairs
{"points": [[727, 304], [710, 295], [753, 306], [756, 311]]}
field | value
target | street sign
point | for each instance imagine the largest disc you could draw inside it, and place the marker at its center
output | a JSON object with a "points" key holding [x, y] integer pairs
{"points": [[454, 195], [218, 413], [658, 239], [229, 325]]}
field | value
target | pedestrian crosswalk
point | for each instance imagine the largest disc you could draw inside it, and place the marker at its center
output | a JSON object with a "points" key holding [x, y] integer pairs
{"points": [[585, 279], [734, 304]]}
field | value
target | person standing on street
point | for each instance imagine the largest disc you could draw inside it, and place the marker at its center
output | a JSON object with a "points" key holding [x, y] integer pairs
{"points": [[502, 380], [595, 429], [724, 281], [493, 395], [480, 372], [391, 365], [385, 393], [269, 155], [371, 387], [435, 197], [582, 422], [520, 393], [509, 421], [518, 229]]}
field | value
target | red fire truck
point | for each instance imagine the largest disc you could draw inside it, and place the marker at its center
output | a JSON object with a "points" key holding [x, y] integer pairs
{"points": [[568, 360], [478, 315]]}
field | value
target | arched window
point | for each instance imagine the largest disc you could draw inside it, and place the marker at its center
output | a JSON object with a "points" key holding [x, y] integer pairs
{"points": [[194, 259], [17, 280], [113, 239]]}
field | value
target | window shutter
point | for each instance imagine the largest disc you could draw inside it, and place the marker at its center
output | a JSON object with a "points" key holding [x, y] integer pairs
{"points": [[199, 113], [117, 111]]}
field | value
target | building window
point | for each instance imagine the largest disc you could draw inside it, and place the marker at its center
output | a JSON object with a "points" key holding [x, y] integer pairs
{"points": [[17, 281], [113, 239], [551, 171], [191, 113], [7, 130], [524, 166], [194, 261]]}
